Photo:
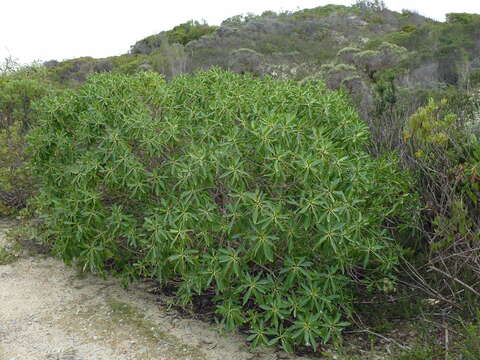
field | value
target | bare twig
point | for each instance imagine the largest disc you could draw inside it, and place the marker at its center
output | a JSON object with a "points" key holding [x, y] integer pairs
{"points": [[445, 327], [456, 280], [393, 341], [423, 285]]}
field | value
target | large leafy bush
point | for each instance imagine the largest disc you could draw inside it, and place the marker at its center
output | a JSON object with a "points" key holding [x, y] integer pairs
{"points": [[256, 192]]}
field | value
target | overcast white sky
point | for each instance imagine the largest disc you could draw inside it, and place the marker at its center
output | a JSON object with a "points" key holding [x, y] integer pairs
{"points": [[62, 29]]}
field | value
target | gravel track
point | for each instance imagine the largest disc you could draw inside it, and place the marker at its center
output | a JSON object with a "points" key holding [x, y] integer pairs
{"points": [[50, 311]]}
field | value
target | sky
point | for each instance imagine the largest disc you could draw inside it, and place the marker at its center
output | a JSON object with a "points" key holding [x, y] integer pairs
{"points": [[32, 30]]}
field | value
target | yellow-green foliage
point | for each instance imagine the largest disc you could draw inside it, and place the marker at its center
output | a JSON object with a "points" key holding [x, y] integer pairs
{"points": [[128, 63], [429, 126], [16, 96], [181, 34], [447, 158], [347, 54], [189, 31], [409, 28]]}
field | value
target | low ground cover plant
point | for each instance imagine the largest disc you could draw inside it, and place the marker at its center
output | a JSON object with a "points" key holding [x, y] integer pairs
{"points": [[258, 193]]}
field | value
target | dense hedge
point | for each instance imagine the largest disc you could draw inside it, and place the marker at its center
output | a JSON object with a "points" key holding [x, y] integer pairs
{"points": [[257, 192]]}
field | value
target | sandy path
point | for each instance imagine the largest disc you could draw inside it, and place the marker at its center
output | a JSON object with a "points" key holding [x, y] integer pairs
{"points": [[47, 311]]}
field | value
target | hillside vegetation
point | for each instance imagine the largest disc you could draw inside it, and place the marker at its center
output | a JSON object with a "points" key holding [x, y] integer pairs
{"points": [[389, 62], [301, 175]]}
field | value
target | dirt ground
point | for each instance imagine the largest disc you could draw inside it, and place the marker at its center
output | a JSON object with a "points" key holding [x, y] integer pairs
{"points": [[49, 311]]}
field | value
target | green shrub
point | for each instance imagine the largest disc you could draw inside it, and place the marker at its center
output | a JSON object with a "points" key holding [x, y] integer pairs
{"points": [[409, 28], [474, 78], [16, 184], [189, 31], [256, 192], [447, 161], [168, 60], [347, 54], [417, 353], [470, 346], [239, 20], [325, 11], [181, 34], [73, 71], [18, 90], [463, 18], [128, 63], [429, 127]]}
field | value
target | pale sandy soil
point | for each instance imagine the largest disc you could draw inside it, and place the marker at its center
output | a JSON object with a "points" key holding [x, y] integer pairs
{"points": [[48, 311]]}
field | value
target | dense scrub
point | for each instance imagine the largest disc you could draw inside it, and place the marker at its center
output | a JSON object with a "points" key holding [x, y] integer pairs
{"points": [[259, 193], [284, 41], [444, 150], [18, 90], [181, 34]]}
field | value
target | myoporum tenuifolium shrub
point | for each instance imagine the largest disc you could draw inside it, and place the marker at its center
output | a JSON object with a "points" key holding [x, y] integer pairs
{"points": [[257, 193]]}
